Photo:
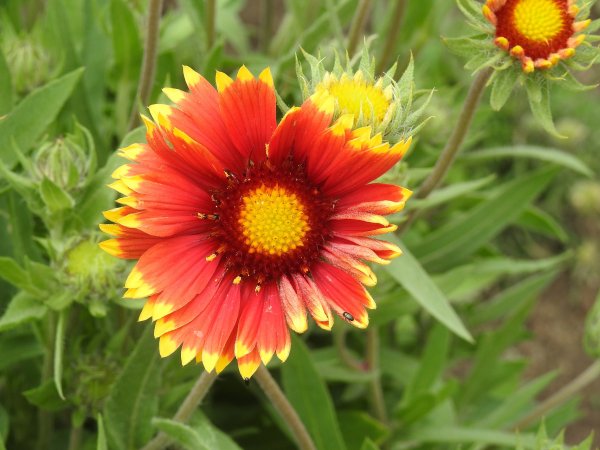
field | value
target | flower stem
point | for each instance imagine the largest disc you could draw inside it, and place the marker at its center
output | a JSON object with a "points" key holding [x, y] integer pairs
{"points": [[392, 35], [372, 356], [567, 392], [282, 404], [358, 25], [211, 10], [75, 437], [187, 408], [453, 145], [149, 61], [267, 24], [45, 418]]}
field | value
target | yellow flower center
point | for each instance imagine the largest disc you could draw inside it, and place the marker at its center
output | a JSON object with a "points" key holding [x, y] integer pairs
{"points": [[354, 97], [538, 20], [273, 220]]}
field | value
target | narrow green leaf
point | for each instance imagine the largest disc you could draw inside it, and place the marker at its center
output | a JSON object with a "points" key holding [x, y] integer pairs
{"points": [[46, 397], [101, 442], [16, 347], [59, 348], [548, 154], [23, 308], [6, 90], [462, 436], [133, 401], [539, 221], [308, 394], [433, 362], [368, 444], [410, 274], [541, 109], [502, 87], [55, 198], [357, 426], [459, 239], [28, 120], [185, 435], [448, 193], [15, 274]]}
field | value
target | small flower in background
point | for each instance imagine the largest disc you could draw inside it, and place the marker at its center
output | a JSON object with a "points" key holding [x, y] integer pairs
{"points": [[376, 102], [539, 33], [531, 43], [242, 225]]}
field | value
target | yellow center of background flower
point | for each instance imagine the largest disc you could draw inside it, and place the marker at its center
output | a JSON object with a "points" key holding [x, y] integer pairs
{"points": [[355, 96], [273, 220], [538, 20]]}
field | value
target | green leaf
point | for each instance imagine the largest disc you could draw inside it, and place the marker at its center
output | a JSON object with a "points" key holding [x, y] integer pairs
{"points": [[448, 193], [185, 435], [548, 154], [459, 239], [199, 435], [462, 436], [433, 362], [308, 394], [6, 90], [16, 275], [368, 444], [410, 274], [17, 347], [23, 308], [541, 107], [55, 198], [28, 120], [101, 442], [357, 426], [133, 401], [59, 348], [539, 221], [502, 86], [45, 397]]}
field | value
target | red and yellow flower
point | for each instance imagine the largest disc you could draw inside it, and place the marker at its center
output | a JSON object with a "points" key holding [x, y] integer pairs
{"points": [[241, 225], [540, 33]]}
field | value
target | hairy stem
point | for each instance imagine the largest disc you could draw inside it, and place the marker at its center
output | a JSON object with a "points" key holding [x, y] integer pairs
{"points": [[45, 418], [282, 404], [392, 35], [567, 392], [149, 60], [358, 25], [372, 355], [453, 145], [211, 11], [187, 408]]}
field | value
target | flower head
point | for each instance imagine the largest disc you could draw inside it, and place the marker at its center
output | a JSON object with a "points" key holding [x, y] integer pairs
{"points": [[241, 225], [539, 33], [378, 102]]}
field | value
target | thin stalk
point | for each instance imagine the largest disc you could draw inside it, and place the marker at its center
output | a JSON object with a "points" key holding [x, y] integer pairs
{"points": [[211, 11], [149, 60], [392, 35], [45, 418], [372, 356], [334, 21], [75, 438], [187, 408], [267, 24], [453, 145], [358, 25], [282, 404], [567, 392]]}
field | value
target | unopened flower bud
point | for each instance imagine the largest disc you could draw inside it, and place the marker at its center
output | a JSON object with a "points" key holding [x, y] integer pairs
{"points": [[585, 198]]}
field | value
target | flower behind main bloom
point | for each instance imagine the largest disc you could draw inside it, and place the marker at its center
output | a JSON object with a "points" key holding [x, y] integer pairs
{"points": [[540, 33], [242, 225]]}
